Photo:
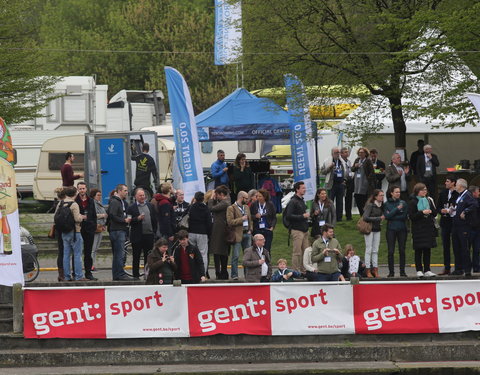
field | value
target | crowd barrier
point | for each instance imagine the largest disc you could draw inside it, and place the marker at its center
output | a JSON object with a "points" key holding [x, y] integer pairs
{"points": [[254, 309]]}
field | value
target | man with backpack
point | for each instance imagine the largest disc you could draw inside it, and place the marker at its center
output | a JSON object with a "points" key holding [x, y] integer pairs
{"points": [[295, 218], [68, 220]]}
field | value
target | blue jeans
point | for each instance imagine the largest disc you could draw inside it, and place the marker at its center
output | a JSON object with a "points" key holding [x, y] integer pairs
{"points": [[72, 247], [329, 276], [246, 242], [117, 239]]}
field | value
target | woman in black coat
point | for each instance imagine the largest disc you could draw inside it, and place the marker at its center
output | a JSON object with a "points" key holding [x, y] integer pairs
{"points": [[422, 212], [264, 217]]}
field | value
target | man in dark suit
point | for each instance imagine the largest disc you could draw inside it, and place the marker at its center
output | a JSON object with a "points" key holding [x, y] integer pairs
{"points": [[379, 168], [426, 170], [446, 201], [461, 230], [142, 229]]}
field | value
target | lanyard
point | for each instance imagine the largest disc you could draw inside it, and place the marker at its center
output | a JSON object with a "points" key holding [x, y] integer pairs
{"points": [[459, 199], [260, 252], [261, 209], [242, 210]]}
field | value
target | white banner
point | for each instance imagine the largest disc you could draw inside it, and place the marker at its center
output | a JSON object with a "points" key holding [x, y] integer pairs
{"points": [[305, 309], [475, 99], [149, 311], [187, 147], [458, 306], [301, 136], [228, 31]]}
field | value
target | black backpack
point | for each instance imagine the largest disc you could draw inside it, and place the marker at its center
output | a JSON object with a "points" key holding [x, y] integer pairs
{"points": [[63, 218], [285, 220]]}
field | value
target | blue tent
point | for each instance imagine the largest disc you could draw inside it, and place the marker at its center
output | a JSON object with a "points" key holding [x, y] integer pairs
{"points": [[240, 116]]}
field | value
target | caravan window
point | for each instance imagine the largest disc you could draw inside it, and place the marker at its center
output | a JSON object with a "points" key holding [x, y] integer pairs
{"points": [[57, 159], [246, 146], [207, 147]]}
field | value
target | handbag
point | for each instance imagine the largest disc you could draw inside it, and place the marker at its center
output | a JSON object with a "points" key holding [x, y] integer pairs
{"points": [[100, 228], [183, 224], [364, 227], [51, 233], [230, 235]]}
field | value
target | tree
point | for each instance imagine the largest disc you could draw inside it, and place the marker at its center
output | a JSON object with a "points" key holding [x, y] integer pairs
{"points": [[127, 43], [23, 89], [397, 49]]}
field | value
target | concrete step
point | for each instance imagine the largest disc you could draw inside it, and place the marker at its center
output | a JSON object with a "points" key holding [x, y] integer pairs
{"points": [[6, 295], [6, 310], [6, 324], [239, 349]]}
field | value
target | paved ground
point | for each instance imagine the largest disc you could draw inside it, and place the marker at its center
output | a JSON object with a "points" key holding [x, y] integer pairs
{"points": [[49, 273], [272, 368]]}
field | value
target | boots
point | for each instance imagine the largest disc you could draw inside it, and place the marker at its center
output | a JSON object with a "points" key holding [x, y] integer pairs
{"points": [[369, 274], [61, 275], [375, 272]]}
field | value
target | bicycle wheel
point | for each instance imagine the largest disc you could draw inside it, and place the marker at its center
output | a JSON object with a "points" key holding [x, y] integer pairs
{"points": [[128, 259], [31, 267]]}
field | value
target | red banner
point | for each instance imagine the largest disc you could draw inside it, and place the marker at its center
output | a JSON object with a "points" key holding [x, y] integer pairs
{"points": [[254, 309]]}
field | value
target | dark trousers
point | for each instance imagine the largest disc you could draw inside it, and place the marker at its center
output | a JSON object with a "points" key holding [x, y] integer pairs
{"points": [[88, 237], [349, 185], [401, 238], [431, 184], [336, 194], [268, 234], [144, 246], [446, 240], [221, 262], [360, 200], [474, 244], [462, 253], [425, 254]]}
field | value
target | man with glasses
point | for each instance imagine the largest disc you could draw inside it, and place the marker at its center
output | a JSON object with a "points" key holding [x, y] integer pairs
{"points": [[257, 261], [335, 176], [239, 217]]}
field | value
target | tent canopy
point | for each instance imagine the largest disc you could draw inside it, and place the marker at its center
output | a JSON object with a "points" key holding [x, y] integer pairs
{"points": [[241, 116]]}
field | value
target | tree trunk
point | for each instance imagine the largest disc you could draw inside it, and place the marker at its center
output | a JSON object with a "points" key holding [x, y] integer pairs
{"points": [[398, 122]]}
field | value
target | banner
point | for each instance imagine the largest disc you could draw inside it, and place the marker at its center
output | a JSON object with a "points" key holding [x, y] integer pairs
{"points": [[301, 136], [306, 309], [475, 99], [11, 269], [253, 309], [187, 148], [228, 31], [243, 132]]}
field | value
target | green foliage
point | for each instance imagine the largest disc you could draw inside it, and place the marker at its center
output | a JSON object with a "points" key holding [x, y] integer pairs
{"points": [[23, 91], [396, 49], [129, 42]]}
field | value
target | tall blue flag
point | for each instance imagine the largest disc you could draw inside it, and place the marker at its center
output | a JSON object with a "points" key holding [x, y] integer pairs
{"points": [[228, 31], [301, 135], [187, 147]]}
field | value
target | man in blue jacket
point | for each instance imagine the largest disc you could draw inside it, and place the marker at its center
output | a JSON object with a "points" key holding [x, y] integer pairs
{"points": [[219, 169]]}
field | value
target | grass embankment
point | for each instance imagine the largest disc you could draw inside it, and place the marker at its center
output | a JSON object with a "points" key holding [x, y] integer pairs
{"points": [[347, 233]]}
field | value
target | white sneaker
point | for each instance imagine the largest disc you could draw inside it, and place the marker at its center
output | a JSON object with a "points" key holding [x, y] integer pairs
{"points": [[429, 274], [419, 274]]}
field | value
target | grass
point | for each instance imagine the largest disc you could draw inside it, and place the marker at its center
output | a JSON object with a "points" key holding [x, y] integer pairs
{"points": [[347, 233]]}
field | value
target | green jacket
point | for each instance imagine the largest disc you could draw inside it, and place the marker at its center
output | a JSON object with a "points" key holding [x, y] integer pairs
{"points": [[319, 258]]}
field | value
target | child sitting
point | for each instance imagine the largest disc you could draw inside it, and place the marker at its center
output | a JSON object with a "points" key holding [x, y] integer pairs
{"points": [[352, 265], [161, 265], [283, 274]]}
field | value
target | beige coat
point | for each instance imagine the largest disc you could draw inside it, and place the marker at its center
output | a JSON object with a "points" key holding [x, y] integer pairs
{"points": [[218, 243], [253, 269], [234, 219], [75, 211]]}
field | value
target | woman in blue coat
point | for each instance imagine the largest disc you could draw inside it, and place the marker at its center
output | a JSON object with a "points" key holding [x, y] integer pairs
{"points": [[396, 211]]}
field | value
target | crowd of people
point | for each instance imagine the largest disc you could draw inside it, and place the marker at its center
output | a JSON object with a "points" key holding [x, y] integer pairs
{"points": [[177, 240]]}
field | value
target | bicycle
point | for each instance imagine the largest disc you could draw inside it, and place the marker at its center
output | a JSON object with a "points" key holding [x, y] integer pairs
{"points": [[128, 259], [31, 267]]}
